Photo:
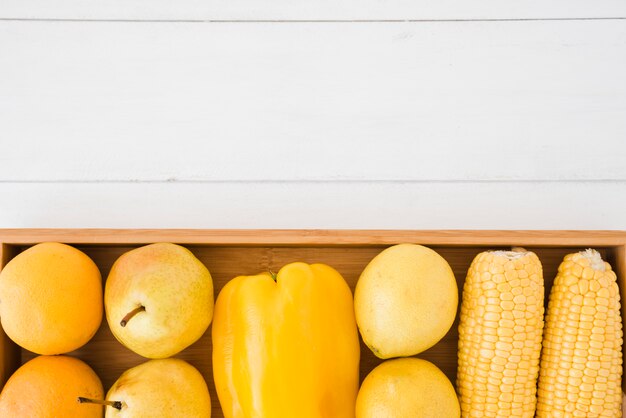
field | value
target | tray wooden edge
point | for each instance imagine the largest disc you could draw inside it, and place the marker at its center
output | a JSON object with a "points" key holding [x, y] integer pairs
{"points": [[317, 236]]}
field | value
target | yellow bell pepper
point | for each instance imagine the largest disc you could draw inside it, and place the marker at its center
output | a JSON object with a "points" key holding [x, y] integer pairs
{"points": [[286, 346]]}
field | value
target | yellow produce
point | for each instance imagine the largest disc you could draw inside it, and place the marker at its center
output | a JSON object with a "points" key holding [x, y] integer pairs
{"points": [[164, 388], [500, 335], [48, 387], [287, 346], [51, 298], [158, 299], [407, 388], [581, 361], [405, 301]]}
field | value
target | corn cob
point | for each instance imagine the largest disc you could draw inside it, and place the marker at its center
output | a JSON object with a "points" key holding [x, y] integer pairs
{"points": [[500, 335], [581, 361]]}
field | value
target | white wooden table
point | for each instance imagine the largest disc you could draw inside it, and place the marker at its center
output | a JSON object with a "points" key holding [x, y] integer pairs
{"points": [[301, 114]]}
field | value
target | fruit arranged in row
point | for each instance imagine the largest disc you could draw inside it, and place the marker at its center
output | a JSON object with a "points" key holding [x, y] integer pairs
{"points": [[158, 300], [509, 365], [63, 386], [283, 345], [287, 344]]}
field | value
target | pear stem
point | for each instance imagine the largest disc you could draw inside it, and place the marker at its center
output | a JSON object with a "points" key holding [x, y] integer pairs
{"points": [[115, 404], [130, 314]]}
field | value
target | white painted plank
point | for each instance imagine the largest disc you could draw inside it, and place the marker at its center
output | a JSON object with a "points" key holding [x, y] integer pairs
{"points": [[313, 101], [316, 205], [309, 10]]}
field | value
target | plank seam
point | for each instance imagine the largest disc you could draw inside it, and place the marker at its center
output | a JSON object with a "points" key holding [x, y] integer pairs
{"points": [[549, 19], [319, 181]]}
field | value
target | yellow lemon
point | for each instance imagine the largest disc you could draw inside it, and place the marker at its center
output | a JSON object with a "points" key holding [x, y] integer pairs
{"points": [[407, 388], [405, 301]]}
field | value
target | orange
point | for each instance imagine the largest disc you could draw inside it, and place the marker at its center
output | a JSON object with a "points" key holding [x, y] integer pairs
{"points": [[51, 298], [49, 387]]}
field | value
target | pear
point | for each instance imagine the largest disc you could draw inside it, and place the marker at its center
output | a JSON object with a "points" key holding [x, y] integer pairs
{"points": [[158, 299], [158, 389]]}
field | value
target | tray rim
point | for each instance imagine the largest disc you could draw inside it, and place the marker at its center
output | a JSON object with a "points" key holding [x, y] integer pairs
{"points": [[17, 236]]}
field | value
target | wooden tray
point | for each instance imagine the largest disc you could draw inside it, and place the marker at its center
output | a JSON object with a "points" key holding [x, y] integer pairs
{"points": [[228, 253]]}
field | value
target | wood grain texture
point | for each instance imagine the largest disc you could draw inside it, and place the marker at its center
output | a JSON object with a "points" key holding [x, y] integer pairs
{"points": [[110, 359], [9, 351], [343, 205], [304, 238], [306, 10], [410, 101]]}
